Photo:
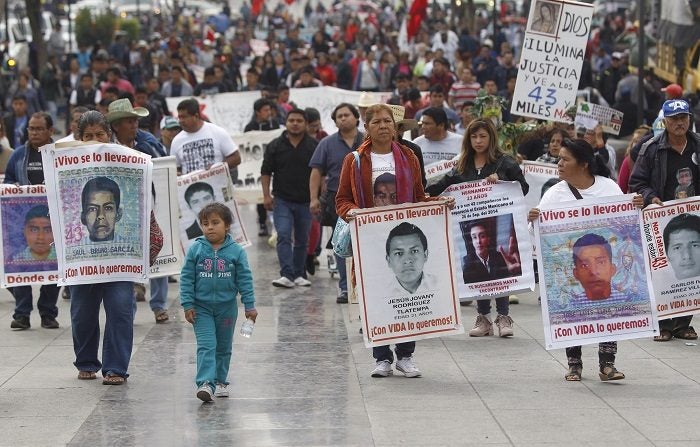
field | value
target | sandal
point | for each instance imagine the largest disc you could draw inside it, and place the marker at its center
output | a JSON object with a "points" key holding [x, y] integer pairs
{"points": [[87, 375], [664, 335], [610, 373], [113, 379], [686, 334], [574, 374], [161, 316]]}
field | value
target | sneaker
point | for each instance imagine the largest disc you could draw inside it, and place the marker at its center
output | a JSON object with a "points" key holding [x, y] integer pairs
{"points": [[21, 322], [342, 298], [263, 231], [172, 279], [482, 327], [465, 303], [407, 367], [382, 369], [301, 281], [283, 282], [204, 393], [505, 326], [65, 294], [513, 299], [49, 322], [221, 390]]}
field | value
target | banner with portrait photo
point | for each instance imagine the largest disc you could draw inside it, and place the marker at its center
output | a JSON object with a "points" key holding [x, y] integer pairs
{"points": [[540, 177], [406, 281], [251, 145], [592, 279], [100, 198], [28, 251], [490, 236], [671, 236], [200, 188], [552, 55], [166, 209]]}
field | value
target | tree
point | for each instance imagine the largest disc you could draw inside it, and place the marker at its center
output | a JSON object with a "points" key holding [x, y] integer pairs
{"points": [[35, 19]]}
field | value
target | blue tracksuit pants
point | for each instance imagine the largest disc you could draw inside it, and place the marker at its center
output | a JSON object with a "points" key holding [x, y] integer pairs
{"points": [[213, 327]]}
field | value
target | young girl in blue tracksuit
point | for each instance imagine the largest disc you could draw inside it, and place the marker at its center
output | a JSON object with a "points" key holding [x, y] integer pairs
{"points": [[216, 270]]}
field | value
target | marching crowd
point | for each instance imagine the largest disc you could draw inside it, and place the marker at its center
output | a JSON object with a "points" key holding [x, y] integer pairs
{"points": [[309, 178]]}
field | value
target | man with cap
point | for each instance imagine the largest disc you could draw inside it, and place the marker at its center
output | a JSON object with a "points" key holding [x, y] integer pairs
{"points": [[124, 119], [610, 77], [169, 128], [671, 155]]}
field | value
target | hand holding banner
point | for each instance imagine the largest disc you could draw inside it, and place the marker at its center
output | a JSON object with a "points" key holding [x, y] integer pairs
{"points": [[100, 198], [406, 290]]}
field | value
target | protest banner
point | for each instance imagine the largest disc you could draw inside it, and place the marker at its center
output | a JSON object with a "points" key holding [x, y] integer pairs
{"points": [[99, 196], [490, 236], [591, 282], [540, 177], [166, 209], [406, 288], [609, 118], [28, 253], [671, 235], [251, 146], [199, 188], [436, 170], [232, 111], [553, 51]]}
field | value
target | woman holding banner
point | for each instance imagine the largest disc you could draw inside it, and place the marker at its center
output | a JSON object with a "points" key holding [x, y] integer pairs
{"points": [[386, 173], [481, 158], [117, 297], [583, 177]]}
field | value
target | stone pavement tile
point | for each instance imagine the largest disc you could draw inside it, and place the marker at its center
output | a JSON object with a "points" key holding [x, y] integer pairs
{"points": [[19, 356], [435, 428], [674, 349], [61, 402], [601, 426], [38, 431], [203, 436], [671, 422], [475, 368], [688, 366], [536, 396], [584, 443]]}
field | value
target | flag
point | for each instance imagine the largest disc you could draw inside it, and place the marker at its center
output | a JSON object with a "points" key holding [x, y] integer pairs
{"points": [[257, 7], [416, 15]]}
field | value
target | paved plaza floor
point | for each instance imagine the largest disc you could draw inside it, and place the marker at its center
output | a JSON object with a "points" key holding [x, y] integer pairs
{"points": [[303, 380]]}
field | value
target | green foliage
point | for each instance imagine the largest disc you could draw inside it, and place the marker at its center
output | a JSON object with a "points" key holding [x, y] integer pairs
{"points": [[83, 27], [131, 27], [89, 28]]}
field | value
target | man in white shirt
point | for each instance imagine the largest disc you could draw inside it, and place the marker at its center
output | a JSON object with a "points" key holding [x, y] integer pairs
{"points": [[201, 144], [437, 143]]}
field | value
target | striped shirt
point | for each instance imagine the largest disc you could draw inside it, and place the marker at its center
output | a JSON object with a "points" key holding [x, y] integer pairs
{"points": [[461, 92]]}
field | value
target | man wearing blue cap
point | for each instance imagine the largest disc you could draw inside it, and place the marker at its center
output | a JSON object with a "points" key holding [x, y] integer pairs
{"points": [[667, 169]]}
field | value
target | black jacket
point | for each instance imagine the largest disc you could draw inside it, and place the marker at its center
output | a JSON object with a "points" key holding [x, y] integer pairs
{"points": [[505, 167], [651, 169]]}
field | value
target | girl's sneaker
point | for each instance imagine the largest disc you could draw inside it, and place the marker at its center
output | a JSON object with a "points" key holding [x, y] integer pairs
{"points": [[204, 393], [221, 390]]}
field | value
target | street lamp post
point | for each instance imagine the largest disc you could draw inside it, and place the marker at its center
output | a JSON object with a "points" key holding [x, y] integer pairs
{"points": [[641, 58]]}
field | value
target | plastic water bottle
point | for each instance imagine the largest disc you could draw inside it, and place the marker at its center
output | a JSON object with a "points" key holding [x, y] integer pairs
{"points": [[247, 328]]}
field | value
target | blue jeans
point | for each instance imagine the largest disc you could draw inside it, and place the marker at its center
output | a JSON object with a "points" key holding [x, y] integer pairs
{"points": [[502, 305], [159, 293], [213, 327], [342, 273], [118, 341], [48, 295], [290, 216]]}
